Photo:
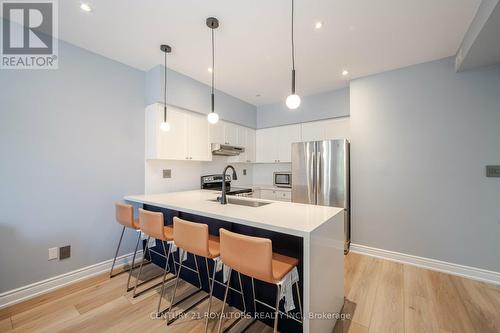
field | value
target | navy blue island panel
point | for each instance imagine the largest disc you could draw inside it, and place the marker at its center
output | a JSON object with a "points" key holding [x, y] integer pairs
{"points": [[285, 244]]}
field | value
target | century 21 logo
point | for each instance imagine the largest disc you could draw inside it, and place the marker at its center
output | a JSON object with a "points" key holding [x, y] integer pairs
{"points": [[27, 28]]}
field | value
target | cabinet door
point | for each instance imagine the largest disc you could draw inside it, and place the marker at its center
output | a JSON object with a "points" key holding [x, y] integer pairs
{"points": [[242, 142], [198, 138], [268, 194], [173, 145], [216, 132], [250, 145], [286, 135], [267, 145], [313, 131], [242, 136], [230, 134], [337, 128], [152, 122], [284, 196]]}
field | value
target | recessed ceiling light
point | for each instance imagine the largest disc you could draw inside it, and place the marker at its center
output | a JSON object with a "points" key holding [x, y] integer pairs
{"points": [[318, 25], [85, 7], [209, 69], [345, 72]]}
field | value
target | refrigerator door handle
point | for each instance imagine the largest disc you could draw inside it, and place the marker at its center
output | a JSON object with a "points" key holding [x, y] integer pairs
{"points": [[311, 182], [318, 177]]}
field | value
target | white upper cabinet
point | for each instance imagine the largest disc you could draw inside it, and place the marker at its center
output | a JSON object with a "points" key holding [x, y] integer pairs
{"points": [[326, 129], [187, 138], [274, 145], [231, 134], [198, 143], [249, 145], [286, 136], [217, 132], [173, 144], [313, 131], [338, 128], [246, 139], [226, 133], [266, 147], [190, 137]]}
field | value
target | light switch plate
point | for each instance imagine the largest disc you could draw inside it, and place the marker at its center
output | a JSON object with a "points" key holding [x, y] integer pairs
{"points": [[53, 253], [493, 171], [167, 173]]}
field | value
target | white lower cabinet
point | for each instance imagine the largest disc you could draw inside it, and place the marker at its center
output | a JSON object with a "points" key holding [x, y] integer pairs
{"points": [[284, 195], [270, 194], [187, 138]]}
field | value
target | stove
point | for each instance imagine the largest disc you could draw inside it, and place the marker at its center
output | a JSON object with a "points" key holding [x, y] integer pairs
{"points": [[214, 182]]}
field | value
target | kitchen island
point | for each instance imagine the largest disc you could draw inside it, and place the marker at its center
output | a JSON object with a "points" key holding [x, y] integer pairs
{"points": [[313, 234]]}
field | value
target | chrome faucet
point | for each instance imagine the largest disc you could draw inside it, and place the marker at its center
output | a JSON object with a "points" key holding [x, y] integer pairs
{"points": [[223, 199]]}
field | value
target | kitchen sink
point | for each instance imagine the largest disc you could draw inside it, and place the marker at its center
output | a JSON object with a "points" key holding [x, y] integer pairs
{"points": [[248, 203]]}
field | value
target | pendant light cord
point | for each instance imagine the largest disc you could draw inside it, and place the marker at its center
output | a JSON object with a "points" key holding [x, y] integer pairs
{"points": [[213, 61], [165, 90], [293, 43], [213, 69]]}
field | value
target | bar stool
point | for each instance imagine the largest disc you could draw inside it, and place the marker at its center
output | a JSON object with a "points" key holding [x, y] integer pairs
{"points": [[124, 215], [194, 238], [254, 257], [151, 224]]}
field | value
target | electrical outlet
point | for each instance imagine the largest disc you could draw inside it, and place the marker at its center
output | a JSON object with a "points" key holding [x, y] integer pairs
{"points": [[493, 171], [244, 172], [167, 173], [64, 252], [53, 253]]}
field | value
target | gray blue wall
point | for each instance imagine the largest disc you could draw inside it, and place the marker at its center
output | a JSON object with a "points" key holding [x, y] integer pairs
{"points": [[421, 138], [331, 104], [193, 95], [71, 143]]}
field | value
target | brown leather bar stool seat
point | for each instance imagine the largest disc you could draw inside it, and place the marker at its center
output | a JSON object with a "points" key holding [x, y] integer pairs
{"points": [[152, 224], [254, 257], [282, 265], [124, 215]]}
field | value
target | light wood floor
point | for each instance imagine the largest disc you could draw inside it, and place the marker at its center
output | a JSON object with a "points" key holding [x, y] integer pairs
{"points": [[381, 296]]}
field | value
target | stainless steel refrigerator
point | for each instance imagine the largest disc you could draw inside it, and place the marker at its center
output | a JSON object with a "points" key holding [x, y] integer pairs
{"points": [[320, 176]]}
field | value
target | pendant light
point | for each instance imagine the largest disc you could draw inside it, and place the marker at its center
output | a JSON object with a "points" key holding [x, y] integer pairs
{"points": [[213, 117], [293, 100], [165, 125]]}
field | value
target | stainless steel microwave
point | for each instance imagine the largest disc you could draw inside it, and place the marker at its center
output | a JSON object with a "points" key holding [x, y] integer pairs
{"points": [[282, 179]]}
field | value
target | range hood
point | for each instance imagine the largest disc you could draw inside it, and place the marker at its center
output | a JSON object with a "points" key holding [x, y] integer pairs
{"points": [[226, 150]]}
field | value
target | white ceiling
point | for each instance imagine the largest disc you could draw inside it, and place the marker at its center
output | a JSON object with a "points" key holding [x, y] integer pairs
{"points": [[253, 41]]}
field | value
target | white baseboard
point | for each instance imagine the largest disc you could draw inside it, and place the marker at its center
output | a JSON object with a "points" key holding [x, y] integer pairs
{"points": [[24, 293], [432, 264]]}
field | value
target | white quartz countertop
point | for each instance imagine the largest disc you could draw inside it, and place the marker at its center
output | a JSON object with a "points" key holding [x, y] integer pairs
{"points": [[286, 217]]}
